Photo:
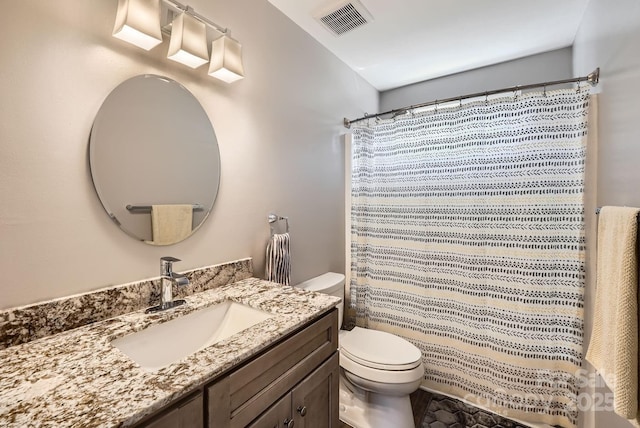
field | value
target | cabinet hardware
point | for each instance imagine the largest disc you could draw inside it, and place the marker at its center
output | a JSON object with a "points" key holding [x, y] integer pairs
{"points": [[302, 410], [288, 423]]}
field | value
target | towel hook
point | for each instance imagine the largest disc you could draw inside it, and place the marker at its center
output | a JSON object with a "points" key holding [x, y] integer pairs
{"points": [[272, 218]]}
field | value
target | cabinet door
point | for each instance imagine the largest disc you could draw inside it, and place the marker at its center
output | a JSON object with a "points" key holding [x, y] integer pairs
{"points": [[315, 399], [188, 414], [235, 400], [275, 416]]}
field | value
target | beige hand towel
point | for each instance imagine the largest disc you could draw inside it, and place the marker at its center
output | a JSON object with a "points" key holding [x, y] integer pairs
{"points": [[171, 223], [613, 348]]}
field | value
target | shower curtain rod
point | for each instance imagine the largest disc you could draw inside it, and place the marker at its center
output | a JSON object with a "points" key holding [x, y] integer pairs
{"points": [[593, 78]]}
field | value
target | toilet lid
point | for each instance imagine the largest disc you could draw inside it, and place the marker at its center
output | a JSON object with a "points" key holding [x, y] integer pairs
{"points": [[379, 349]]}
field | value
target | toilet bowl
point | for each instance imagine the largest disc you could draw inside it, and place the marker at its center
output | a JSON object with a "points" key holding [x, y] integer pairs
{"points": [[378, 370]]}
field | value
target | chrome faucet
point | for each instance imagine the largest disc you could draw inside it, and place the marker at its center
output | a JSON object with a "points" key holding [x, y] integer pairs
{"points": [[167, 278]]}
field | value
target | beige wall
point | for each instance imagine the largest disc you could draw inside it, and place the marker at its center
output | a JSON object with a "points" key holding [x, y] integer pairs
{"points": [[609, 37], [554, 65], [278, 132]]}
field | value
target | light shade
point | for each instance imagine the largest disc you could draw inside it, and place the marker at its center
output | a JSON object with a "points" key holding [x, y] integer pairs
{"points": [[188, 43], [138, 23], [226, 60]]}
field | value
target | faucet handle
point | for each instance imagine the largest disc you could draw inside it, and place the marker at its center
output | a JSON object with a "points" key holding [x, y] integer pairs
{"points": [[166, 265]]}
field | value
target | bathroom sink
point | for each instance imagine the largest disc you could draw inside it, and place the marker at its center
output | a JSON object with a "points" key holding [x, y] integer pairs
{"points": [[162, 344]]}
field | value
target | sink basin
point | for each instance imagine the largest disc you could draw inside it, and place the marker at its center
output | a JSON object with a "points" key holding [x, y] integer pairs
{"points": [[163, 344]]}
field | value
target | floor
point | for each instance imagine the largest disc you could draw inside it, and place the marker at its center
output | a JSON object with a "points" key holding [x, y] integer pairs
{"points": [[438, 411]]}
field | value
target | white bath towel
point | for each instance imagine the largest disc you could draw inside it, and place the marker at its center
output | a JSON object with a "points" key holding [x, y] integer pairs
{"points": [[278, 260], [613, 348], [171, 223]]}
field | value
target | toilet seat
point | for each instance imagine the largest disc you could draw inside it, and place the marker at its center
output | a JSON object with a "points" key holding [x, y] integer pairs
{"points": [[379, 350], [389, 377], [380, 357]]}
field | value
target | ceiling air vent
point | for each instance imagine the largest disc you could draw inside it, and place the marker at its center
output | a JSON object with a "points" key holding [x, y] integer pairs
{"points": [[344, 17]]}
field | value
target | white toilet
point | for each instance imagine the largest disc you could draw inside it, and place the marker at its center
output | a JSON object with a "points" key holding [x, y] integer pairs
{"points": [[378, 370]]}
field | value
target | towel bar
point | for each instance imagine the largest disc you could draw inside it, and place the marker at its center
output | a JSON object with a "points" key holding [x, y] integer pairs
{"points": [[274, 217], [136, 209], [599, 208]]}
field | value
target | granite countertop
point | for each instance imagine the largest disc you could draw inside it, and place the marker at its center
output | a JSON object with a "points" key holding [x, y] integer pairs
{"points": [[78, 379]]}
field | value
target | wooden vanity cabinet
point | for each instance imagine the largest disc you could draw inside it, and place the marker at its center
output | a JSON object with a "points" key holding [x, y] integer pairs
{"points": [[313, 403], [278, 415], [315, 400], [186, 414], [294, 383]]}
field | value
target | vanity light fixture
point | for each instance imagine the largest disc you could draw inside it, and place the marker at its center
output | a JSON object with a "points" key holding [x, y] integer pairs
{"points": [[138, 23], [142, 23], [188, 44], [226, 60]]}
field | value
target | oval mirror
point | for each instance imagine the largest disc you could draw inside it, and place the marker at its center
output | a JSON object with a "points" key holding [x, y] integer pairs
{"points": [[154, 160]]}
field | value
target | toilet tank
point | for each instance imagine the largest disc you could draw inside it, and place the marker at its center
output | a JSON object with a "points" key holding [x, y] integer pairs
{"points": [[328, 283]]}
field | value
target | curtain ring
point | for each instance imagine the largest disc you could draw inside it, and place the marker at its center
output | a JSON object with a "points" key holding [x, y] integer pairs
{"points": [[486, 98], [544, 92], [436, 107], [460, 103]]}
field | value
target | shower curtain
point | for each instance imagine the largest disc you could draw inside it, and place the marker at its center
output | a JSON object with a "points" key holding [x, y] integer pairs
{"points": [[467, 239]]}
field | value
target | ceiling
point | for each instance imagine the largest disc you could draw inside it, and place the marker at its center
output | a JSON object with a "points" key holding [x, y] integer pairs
{"points": [[409, 41]]}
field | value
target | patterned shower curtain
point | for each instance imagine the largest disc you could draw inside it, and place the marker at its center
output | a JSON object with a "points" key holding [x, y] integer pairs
{"points": [[467, 239]]}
